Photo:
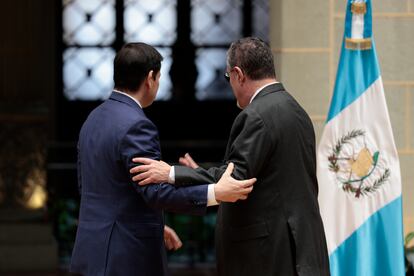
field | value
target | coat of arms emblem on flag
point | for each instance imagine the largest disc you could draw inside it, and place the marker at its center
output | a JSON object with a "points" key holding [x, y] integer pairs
{"points": [[359, 168]]}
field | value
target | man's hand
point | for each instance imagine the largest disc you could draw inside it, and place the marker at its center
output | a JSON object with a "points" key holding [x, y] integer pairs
{"points": [[187, 161], [151, 171], [229, 189], [172, 241]]}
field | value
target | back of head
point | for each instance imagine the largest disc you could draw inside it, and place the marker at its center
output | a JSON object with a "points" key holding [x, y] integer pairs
{"points": [[253, 56], [133, 63]]}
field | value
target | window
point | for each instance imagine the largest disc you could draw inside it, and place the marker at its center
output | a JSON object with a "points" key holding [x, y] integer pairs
{"points": [[88, 35], [94, 30]]}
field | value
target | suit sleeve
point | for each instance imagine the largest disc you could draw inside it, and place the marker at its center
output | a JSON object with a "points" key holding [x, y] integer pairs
{"points": [[250, 145], [185, 176], [141, 140]]}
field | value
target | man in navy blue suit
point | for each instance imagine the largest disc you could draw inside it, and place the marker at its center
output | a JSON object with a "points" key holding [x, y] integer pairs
{"points": [[121, 227]]}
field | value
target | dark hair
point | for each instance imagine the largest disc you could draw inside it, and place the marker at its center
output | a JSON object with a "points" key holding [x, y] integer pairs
{"points": [[253, 56], [133, 63]]}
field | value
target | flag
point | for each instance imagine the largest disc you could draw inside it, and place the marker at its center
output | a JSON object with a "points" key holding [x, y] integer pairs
{"points": [[358, 167]]}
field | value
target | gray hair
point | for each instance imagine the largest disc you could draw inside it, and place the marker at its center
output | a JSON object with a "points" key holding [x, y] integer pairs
{"points": [[253, 56]]}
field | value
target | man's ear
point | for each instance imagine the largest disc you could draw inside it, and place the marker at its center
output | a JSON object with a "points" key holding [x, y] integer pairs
{"points": [[240, 75], [150, 78], [154, 75], [151, 75]]}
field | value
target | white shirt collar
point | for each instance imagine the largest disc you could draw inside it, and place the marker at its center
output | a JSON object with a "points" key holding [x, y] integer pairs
{"points": [[260, 89], [123, 93]]}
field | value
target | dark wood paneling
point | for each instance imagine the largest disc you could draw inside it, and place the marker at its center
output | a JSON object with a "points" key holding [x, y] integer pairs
{"points": [[27, 51]]}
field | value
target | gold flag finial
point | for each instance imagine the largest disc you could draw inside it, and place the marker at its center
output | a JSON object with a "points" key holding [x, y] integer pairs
{"points": [[359, 8]]}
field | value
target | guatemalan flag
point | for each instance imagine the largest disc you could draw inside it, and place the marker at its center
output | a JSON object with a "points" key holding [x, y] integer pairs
{"points": [[358, 167]]}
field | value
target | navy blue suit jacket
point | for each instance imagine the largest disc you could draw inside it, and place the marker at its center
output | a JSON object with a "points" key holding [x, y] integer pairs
{"points": [[120, 229]]}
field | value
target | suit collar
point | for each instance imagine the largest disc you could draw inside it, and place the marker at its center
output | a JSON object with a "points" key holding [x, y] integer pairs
{"points": [[129, 96], [260, 89], [276, 87], [119, 97]]}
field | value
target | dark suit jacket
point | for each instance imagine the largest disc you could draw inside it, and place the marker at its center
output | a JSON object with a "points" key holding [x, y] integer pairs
{"points": [[278, 229], [120, 229]]}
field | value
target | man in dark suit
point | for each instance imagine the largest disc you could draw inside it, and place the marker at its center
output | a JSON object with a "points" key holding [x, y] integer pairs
{"points": [[278, 230], [121, 224]]}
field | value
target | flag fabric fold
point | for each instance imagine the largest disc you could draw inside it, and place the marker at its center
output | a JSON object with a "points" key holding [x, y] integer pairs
{"points": [[358, 167]]}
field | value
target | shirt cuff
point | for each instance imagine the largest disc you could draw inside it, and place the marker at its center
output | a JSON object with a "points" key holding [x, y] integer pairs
{"points": [[171, 176], [211, 196]]}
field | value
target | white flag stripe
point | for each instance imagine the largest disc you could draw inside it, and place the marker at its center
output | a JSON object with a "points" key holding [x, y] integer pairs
{"points": [[368, 113], [357, 29], [357, 26]]}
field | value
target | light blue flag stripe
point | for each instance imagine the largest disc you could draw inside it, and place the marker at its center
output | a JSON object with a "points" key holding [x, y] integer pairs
{"points": [[357, 69], [348, 21], [368, 20], [372, 250]]}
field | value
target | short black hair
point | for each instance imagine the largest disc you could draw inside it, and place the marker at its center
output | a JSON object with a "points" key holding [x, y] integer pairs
{"points": [[133, 63], [253, 56]]}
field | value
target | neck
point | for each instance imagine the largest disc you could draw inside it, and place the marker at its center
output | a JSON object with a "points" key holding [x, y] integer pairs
{"points": [[139, 97]]}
